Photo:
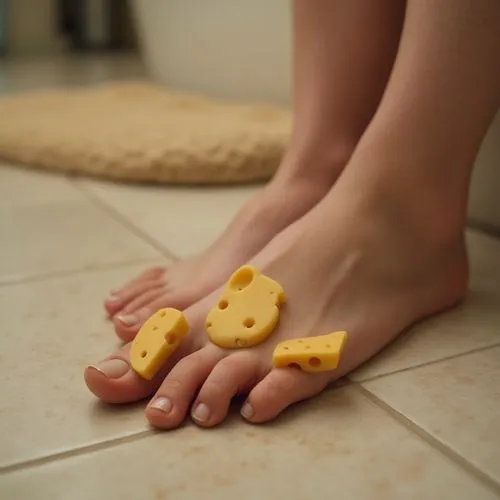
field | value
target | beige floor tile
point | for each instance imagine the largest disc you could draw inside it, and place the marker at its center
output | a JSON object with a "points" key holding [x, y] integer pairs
{"points": [[473, 325], [457, 401], [25, 187], [50, 331], [338, 446], [64, 236], [183, 219]]}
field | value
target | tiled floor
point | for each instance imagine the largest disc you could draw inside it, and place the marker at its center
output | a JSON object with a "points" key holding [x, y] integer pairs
{"points": [[421, 421]]}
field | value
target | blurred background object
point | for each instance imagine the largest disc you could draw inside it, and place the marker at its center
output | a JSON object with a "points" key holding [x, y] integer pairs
{"points": [[44, 27], [3, 26], [96, 24]]}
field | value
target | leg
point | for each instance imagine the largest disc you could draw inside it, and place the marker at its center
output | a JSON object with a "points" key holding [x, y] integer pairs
{"points": [[344, 52], [381, 251]]}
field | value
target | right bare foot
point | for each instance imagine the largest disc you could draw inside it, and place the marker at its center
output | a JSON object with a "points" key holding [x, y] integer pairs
{"points": [[349, 264], [283, 201]]}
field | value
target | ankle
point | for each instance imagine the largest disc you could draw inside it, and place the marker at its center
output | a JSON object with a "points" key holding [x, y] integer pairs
{"points": [[316, 164], [427, 230], [427, 217], [422, 199], [280, 203]]}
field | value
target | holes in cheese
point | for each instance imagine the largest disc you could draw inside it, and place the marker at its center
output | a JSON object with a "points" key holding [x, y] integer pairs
{"points": [[249, 322], [242, 278], [247, 312], [155, 342], [312, 354]]}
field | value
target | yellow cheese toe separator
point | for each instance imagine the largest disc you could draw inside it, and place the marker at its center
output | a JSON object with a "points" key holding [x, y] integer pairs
{"points": [[247, 311], [157, 339], [311, 354]]}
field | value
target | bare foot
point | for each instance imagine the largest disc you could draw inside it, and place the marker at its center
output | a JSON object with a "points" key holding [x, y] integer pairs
{"points": [[348, 265], [286, 199]]}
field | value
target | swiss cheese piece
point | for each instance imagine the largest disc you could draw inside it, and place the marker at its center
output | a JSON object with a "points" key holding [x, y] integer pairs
{"points": [[247, 311], [157, 339], [311, 354]]}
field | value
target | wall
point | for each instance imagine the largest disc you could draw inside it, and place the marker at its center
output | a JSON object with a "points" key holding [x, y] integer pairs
{"points": [[485, 191], [229, 48]]}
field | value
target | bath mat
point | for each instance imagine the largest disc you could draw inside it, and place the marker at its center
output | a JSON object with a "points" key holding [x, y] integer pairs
{"points": [[143, 132]]}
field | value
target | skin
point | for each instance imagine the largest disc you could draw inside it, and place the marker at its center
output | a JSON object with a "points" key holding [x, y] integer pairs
{"points": [[383, 248], [356, 39]]}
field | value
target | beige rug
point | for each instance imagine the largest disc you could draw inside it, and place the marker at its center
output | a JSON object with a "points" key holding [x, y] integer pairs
{"points": [[142, 132]]}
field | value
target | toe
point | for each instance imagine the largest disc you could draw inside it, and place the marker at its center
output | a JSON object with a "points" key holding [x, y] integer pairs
{"points": [[169, 406], [127, 324], [148, 274], [231, 376], [114, 381], [278, 390], [147, 297], [120, 299]]}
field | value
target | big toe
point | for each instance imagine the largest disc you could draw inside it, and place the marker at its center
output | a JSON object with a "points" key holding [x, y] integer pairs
{"points": [[114, 381], [151, 280], [129, 321]]}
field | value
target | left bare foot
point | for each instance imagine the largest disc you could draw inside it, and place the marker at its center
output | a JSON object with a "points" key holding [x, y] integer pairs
{"points": [[288, 197], [348, 265]]}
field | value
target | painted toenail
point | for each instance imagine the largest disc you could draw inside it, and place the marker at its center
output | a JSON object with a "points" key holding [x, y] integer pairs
{"points": [[247, 411], [201, 412], [127, 319], [112, 368], [162, 404]]}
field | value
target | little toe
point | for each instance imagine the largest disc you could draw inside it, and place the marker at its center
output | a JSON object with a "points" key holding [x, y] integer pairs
{"points": [[231, 376], [279, 389], [120, 299], [114, 381], [169, 406]]}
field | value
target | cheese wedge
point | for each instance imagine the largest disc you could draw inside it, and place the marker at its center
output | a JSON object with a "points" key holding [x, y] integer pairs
{"points": [[157, 339], [311, 354]]}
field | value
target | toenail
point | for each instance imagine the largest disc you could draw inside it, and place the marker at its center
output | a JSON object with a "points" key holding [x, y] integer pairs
{"points": [[112, 368], [247, 411], [201, 412], [162, 404], [114, 299], [127, 319]]}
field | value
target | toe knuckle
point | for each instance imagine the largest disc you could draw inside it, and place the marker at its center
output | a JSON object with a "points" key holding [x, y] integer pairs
{"points": [[188, 365], [279, 386], [171, 384], [213, 388]]}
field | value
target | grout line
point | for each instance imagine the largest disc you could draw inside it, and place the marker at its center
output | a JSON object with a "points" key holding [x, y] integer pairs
{"points": [[75, 272], [427, 363], [124, 221], [75, 452], [432, 441]]}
